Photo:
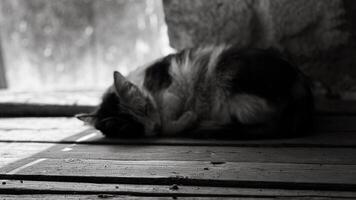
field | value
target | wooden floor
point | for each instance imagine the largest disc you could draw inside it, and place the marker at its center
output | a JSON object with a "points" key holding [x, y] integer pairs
{"points": [[59, 158]]}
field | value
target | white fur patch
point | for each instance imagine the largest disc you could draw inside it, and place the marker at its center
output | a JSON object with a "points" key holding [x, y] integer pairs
{"points": [[214, 58], [250, 109]]}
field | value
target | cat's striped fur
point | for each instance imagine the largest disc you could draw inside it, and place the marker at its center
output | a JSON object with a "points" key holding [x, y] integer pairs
{"points": [[208, 89]]}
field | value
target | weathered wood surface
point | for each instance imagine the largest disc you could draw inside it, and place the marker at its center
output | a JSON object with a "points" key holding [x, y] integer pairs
{"points": [[13, 152], [89, 98], [203, 153], [41, 110], [323, 139], [106, 196], [16, 186], [16, 158], [233, 174], [123, 197], [41, 151], [40, 129]]}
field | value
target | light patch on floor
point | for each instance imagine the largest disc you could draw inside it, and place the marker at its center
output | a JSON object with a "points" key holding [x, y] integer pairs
{"points": [[13, 152]]}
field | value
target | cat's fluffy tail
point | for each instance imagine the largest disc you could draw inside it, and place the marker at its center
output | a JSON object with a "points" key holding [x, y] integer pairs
{"points": [[254, 120]]}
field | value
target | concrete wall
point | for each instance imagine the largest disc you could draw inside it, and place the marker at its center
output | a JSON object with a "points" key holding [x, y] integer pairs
{"points": [[317, 34]]}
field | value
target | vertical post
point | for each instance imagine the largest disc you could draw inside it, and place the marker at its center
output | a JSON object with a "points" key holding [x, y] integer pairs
{"points": [[3, 83], [93, 44]]}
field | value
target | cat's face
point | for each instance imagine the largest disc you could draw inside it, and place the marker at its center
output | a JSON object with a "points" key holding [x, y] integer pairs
{"points": [[126, 111]]}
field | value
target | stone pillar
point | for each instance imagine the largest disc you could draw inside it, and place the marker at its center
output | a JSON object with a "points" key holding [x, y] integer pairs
{"points": [[316, 34]]}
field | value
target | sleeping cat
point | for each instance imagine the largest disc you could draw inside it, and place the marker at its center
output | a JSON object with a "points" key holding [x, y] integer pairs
{"points": [[218, 91]]}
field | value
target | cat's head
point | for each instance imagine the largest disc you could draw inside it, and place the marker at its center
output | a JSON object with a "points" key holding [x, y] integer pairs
{"points": [[125, 111]]}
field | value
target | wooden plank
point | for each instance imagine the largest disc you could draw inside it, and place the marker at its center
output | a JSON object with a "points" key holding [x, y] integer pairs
{"points": [[73, 136], [43, 136], [47, 104], [59, 129], [123, 197], [109, 196], [12, 156], [11, 153], [41, 110], [229, 174], [42, 187], [40, 123], [325, 139], [69, 130], [66, 97], [204, 153], [106, 196], [323, 123], [41, 129]]}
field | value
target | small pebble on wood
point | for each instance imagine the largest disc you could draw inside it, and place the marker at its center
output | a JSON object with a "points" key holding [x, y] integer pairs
{"points": [[104, 196], [217, 162], [174, 187]]}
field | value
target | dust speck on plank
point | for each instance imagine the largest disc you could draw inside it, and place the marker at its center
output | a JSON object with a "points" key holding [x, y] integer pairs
{"points": [[206, 168], [3, 183], [174, 187], [217, 162], [105, 196], [179, 177], [71, 160]]}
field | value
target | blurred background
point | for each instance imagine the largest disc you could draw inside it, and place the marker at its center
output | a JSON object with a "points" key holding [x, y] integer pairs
{"points": [[64, 51], [66, 45]]}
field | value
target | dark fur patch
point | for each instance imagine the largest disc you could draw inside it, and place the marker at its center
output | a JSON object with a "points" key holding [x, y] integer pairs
{"points": [[112, 122], [260, 72], [157, 76], [109, 105], [265, 73], [122, 126]]}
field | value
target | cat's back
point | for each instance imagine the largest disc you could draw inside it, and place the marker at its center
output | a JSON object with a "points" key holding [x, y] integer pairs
{"points": [[263, 87], [227, 84], [261, 72]]}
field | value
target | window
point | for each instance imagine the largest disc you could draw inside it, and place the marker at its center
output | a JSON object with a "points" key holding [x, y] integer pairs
{"points": [[76, 45]]}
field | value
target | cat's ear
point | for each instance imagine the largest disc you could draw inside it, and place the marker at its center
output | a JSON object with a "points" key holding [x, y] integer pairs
{"points": [[123, 87], [119, 80], [85, 117]]}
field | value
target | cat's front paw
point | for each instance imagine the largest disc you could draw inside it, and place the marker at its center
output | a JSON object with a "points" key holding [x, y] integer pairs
{"points": [[185, 122], [188, 119]]}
